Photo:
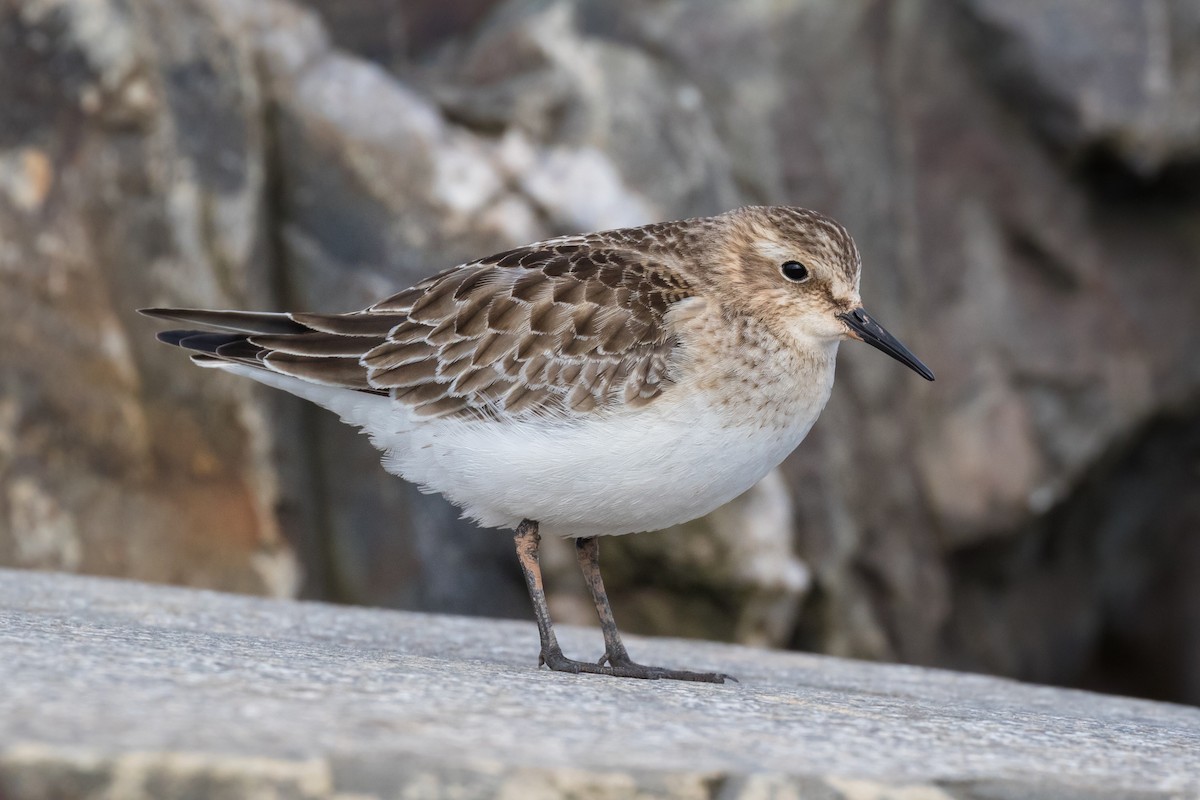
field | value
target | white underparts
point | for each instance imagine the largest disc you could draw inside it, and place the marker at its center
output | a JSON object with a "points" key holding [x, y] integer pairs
{"points": [[618, 472]]}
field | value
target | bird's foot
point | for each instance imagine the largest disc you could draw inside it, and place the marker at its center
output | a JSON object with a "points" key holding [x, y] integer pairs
{"points": [[624, 667], [622, 661]]}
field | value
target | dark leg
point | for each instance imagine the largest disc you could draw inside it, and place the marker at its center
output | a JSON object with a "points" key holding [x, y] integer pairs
{"points": [[588, 553], [615, 654], [527, 541]]}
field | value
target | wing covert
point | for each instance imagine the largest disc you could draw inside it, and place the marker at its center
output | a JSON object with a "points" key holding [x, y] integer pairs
{"points": [[560, 327]]}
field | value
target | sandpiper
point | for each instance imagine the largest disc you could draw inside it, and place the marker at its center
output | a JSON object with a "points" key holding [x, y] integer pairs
{"points": [[583, 386]]}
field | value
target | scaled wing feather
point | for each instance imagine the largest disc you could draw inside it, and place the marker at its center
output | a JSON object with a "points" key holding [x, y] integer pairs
{"points": [[551, 328], [565, 326]]}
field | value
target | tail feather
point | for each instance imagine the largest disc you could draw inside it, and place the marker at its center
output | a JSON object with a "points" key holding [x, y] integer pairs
{"points": [[271, 342], [203, 341], [316, 344], [264, 322], [173, 337], [240, 349], [372, 324], [345, 372]]}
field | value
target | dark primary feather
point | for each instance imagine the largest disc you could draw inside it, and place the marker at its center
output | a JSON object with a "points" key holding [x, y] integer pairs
{"points": [[238, 321]]}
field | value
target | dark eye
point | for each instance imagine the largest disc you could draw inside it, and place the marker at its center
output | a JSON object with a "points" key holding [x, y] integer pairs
{"points": [[794, 271]]}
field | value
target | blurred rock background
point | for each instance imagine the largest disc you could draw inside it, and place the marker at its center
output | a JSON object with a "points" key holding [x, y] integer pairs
{"points": [[1023, 179]]}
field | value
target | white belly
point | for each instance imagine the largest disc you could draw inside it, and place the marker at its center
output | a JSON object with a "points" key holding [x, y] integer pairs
{"points": [[644, 469], [640, 470]]}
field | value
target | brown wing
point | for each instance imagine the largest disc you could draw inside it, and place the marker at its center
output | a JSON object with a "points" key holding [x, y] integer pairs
{"points": [[558, 327], [562, 326]]}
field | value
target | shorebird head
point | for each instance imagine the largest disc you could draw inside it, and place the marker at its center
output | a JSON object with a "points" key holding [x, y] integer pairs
{"points": [[801, 269]]}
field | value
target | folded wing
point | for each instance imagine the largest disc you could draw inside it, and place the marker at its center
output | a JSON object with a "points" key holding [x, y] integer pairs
{"points": [[560, 327]]}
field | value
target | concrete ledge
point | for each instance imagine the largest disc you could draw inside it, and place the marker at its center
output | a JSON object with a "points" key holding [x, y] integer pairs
{"points": [[123, 690]]}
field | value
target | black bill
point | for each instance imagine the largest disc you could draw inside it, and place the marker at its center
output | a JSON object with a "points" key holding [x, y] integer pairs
{"points": [[868, 330]]}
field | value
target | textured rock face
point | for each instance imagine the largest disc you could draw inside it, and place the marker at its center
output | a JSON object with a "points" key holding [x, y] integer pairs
{"points": [[1018, 176], [1137, 96], [131, 170]]}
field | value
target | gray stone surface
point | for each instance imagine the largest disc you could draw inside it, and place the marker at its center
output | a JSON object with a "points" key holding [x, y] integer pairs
{"points": [[120, 689]]}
